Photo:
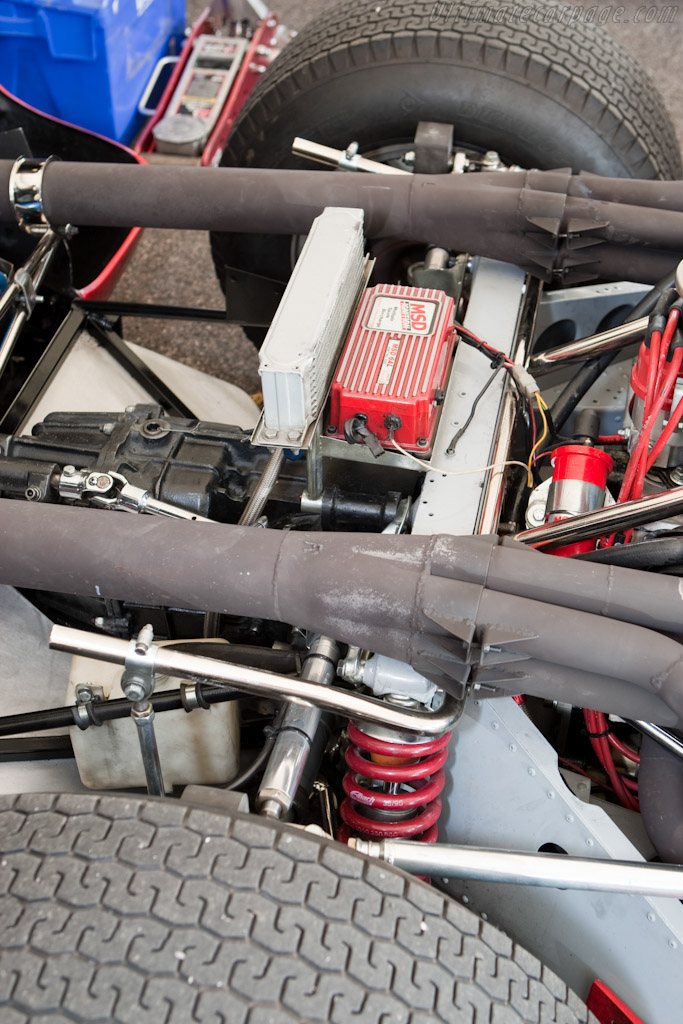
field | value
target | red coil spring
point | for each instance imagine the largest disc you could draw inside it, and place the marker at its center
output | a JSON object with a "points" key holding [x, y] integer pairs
{"points": [[392, 788]]}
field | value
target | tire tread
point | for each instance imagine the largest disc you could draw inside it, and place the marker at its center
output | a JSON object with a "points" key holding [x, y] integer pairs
{"points": [[584, 56], [134, 910]]}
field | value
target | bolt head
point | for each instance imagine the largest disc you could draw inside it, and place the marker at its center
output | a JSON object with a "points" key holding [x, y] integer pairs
{"points": [[135, 691]]}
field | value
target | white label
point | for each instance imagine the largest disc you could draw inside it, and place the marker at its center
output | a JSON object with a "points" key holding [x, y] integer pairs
{"points": [[410, 316], [389, 361]]}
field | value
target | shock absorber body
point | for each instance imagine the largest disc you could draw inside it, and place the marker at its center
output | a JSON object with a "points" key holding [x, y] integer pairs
{"points": [[392, 785]]}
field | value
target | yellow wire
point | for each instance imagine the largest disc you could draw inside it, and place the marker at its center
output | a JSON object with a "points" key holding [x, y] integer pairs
{"points": [[541, 408]]}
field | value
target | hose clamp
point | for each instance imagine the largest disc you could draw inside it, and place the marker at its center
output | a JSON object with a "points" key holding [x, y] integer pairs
{"points": [[26, 193]]}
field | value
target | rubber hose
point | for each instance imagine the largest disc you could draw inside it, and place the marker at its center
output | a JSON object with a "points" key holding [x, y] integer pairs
{"points": [[660, 790], [648, 554]]}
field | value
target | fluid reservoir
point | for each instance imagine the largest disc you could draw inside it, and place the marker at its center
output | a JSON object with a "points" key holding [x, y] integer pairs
{"points": [[200, 747], [579, 479]]}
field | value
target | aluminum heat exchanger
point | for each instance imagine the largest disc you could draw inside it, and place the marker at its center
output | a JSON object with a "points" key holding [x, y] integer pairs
{"points": [[301, 349]]}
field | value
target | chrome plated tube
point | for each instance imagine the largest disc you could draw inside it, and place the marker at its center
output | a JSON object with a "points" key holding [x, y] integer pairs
{"points": [[9, 341], [549, 870], [35, 266], [604, 521], [346, 161], [259, 498], [35, 269], [9, 297], [296, 733], [661, 736], [191, 666], [143, 716], [579, 351]]}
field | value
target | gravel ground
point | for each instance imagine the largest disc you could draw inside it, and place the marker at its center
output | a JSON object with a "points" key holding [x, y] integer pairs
{"points": [[177, 267]]}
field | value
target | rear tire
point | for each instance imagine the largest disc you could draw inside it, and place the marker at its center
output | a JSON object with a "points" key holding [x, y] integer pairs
{"points": [[542, 95], [127, 909]]}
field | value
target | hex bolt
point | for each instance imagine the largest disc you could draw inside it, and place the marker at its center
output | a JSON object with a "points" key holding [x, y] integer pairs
{"points": [[135, 691]]}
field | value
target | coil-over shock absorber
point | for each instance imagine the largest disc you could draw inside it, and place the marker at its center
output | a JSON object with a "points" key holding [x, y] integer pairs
{"points": [[392, 785]]}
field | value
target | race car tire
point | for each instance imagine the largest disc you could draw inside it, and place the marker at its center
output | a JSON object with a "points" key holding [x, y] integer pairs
{"points": [[130, 909], [543, 92]]}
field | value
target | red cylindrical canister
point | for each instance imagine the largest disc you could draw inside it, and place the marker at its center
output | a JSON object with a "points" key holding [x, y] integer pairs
{"points": [[579, 478]]}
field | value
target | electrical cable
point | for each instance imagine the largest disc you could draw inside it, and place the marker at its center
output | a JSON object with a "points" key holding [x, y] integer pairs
{"points": [[565, 404], [623, 748], [598, 730], [459, 433], [652, 372], [674, 419], [257, 764], [634, 477], [542, 410], [470, 338], [427, 467]]}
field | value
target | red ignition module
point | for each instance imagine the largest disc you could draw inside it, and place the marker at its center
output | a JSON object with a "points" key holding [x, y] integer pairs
{"points": [[394, 365]]}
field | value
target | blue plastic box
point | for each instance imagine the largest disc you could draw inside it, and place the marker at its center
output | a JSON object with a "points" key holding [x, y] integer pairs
{"points": [[87, 61]]}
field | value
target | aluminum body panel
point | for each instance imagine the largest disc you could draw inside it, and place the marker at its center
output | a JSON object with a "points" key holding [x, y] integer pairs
{"points": [[504, 791], [503, 788], [454, 504], [586, 306]]}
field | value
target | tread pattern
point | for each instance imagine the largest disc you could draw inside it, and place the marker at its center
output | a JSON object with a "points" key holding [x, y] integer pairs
{"points": [[120, 909], [580, 64]]}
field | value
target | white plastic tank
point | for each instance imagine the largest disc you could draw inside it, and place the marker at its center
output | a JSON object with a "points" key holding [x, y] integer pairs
{"points": [[200, 747]]}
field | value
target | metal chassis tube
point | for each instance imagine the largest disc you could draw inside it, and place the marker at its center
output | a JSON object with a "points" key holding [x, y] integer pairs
{"points": [[191, 666], [544, 869]]}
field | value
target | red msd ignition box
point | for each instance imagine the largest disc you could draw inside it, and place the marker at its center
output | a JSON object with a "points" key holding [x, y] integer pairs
{"points": [[394, 365]]}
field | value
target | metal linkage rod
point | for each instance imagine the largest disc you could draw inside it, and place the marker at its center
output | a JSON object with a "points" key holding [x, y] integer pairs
{"points": [[190, 666], [549, 870]]}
